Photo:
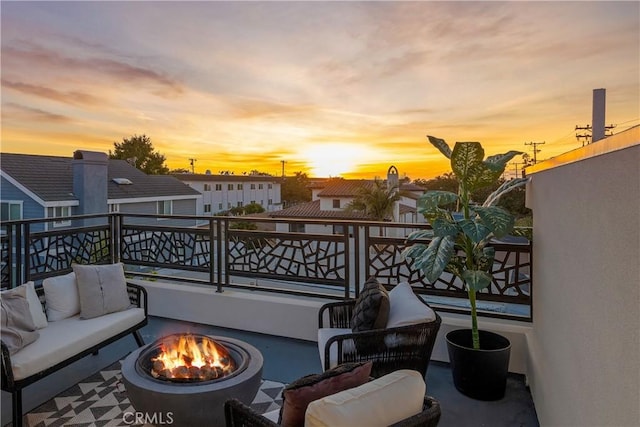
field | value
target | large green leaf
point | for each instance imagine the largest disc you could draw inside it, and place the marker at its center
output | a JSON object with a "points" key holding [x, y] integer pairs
{"points": [[503, 159], [433, 260], [444, 227], [476, 280], [499, 221], [431, 200], [414, 252], [476, 231], [465, 158], [420, 234], [504, 188], [441, 145]]}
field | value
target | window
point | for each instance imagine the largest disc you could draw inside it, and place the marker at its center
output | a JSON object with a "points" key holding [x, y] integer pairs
{"points": [[253, 186], [207, 208], [10, 211], [239, 204], [114, 207], [260, 186], [270, 202], [218, 187], [230, 187], [269, 186], [296, 228], [240, 186], [165, 207], [252, 202], [336, 203], [207, 187], [58, 212], [338, 229], [228, 205], [219, 206]]}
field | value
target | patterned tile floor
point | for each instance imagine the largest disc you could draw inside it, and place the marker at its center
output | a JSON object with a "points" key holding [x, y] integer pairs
{"points": [[101, 401]]}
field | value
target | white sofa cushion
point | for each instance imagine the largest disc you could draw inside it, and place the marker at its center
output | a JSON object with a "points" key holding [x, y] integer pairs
{"points": [[324, 334], [381, 402], [61, 297], [65, 338], [406, 308]]}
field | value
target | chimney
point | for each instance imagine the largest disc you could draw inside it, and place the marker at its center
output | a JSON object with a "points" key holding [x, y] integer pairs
{"points": [[393, 181], [597, 118], [90, 178]]}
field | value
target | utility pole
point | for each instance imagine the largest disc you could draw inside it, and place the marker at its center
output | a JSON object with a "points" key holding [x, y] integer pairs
{"points": [[283, 162], [536, 150], [193, 165]]}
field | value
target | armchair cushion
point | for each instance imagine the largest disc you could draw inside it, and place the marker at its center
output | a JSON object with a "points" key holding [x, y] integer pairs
{"points": [[372, 307], [406, 308], [16, 324], [297, 395], [381, 402], [28, 291]]}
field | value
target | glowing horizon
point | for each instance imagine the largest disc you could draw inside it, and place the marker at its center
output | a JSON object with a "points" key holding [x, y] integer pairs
{"points": [[330, 88]]}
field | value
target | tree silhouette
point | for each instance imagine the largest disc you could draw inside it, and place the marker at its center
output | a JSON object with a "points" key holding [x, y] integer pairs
{"points": [[376, 201], [139, 150]]}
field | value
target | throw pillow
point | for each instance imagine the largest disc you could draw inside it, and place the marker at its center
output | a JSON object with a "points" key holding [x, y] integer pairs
{"points": [[16, 324], [406, 308], [102, 289], [297, 395], [28, 291], [372, 307], [61, 297]]}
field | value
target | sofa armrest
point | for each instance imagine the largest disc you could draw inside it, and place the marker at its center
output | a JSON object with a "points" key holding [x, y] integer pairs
{"points": [[7, 368], [237, 414], [338, 314], [138, 296], [429, 417]]}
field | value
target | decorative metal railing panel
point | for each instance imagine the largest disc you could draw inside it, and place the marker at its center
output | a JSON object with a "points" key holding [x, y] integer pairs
{"points": [[289, 256], [187, 248], [511, 271], [50, 252], [5, 259]]}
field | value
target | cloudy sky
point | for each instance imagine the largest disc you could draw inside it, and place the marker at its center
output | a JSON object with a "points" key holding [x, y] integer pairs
{"points": [[331, 88]]}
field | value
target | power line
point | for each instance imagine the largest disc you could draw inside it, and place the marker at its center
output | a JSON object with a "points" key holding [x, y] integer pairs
{"points": [[536, 150]]}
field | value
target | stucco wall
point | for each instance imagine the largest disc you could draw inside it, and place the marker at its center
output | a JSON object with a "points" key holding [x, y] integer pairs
{"points": [[585, 346]]}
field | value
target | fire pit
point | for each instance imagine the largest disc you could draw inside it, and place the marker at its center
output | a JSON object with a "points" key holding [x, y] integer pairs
{"points": [[184, 379]]}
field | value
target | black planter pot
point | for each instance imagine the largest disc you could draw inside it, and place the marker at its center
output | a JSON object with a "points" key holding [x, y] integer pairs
{"points": [[480, 374]]}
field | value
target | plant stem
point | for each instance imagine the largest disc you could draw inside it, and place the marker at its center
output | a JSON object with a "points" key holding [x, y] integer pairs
{"points": [[475, 335]]}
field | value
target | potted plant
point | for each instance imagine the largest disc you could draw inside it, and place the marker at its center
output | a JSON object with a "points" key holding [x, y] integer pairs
{"points": [[459, 245]]}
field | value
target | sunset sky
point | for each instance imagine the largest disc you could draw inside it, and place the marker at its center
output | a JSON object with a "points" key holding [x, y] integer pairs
{"points": [[331, 88]]}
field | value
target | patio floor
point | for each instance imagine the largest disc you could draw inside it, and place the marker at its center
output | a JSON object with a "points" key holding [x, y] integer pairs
{"points": [[286, 360]]}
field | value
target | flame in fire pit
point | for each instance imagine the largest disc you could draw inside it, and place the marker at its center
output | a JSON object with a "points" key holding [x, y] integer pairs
{"points": [[189, 357]]}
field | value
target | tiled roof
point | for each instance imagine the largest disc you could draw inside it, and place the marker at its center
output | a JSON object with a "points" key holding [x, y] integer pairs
{"points": [[407, 209], [312, 210], [344, 187], [51, 178], [411, 187]]}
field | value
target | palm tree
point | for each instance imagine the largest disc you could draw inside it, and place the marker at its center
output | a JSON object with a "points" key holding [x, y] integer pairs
{"points": [[376, 201]]}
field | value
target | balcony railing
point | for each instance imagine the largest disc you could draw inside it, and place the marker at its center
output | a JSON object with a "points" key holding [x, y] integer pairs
{"points": [[323, 258]]}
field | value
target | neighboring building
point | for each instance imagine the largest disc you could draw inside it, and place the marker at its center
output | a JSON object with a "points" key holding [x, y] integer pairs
{"points": [[223, 192], [330, 197], [33, 186]]}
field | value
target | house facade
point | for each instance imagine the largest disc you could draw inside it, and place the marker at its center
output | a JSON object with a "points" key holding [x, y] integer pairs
{"points": [[34, 186], [223, 192], [330, 198]]}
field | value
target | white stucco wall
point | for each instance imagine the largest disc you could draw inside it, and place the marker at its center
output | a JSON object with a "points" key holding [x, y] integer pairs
{"points": [[585, 346]]}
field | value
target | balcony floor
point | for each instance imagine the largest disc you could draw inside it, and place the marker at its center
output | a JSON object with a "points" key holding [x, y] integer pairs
{"points": [[286, 360]]}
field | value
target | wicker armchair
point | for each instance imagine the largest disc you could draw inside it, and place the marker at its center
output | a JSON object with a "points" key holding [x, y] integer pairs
{"points": [[390, 349], [237, 414]]}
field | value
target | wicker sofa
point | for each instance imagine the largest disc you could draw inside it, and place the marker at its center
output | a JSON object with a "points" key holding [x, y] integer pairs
{"points": [[396, 399], [65, 341], [405, 343]]}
